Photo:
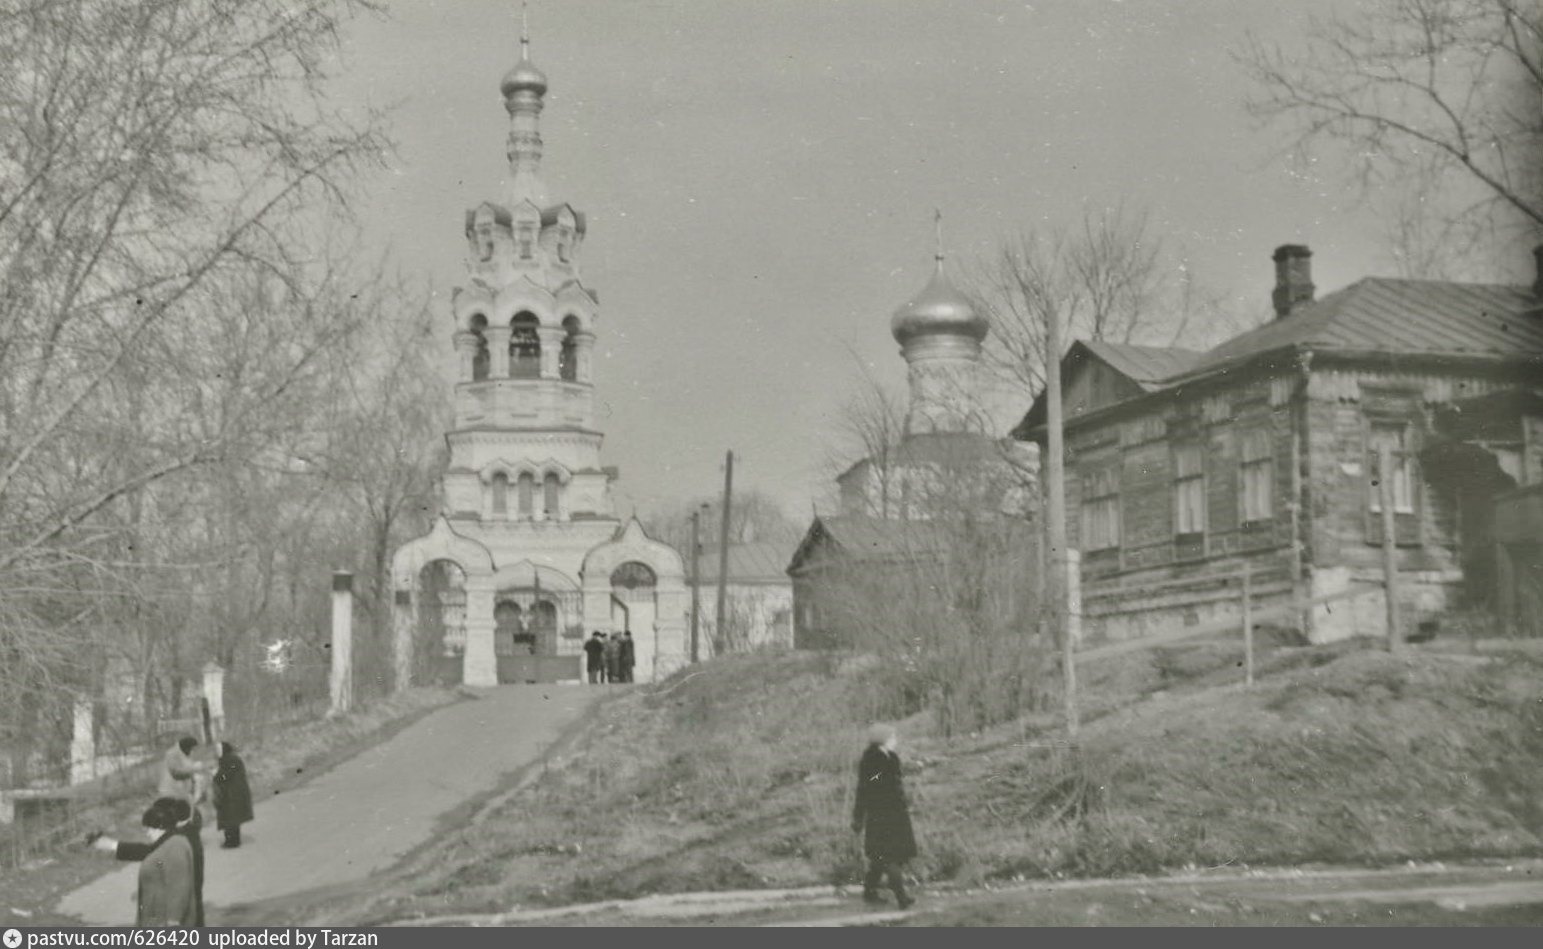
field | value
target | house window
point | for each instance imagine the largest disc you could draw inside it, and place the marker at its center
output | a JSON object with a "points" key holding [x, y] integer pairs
{"points": [[1257, 474], [1188, 490], [1395, 435], [500, 495], [1101, 510]]}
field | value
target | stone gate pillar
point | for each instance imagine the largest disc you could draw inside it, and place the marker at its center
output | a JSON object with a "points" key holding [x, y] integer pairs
{"points": [[83, 742], [403, 626], [342, 642], [480, 663], [214, 695]]}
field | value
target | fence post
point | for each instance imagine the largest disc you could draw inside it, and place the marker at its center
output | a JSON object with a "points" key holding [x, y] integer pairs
{"points": [[1385, 476], [1248, 627], [342, 642], [214, 696], [82, 741]]}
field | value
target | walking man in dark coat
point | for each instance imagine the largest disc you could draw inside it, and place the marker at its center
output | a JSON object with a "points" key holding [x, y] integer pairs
{"points": [[627, 656], [882, 817], [594, 658], [232, 795]]}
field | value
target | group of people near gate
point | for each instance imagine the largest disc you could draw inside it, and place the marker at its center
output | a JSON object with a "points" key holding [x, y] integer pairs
{"points": [[171, 858], [609, 659]]}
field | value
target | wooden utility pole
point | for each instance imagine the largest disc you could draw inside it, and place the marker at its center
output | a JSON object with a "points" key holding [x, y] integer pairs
{"points": [[696, 583], [1055, 515], [1385, 476], [720, 631]]}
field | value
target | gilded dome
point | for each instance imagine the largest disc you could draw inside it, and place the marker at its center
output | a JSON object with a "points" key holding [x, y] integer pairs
{"points": [[939, 310], [523, 77]]}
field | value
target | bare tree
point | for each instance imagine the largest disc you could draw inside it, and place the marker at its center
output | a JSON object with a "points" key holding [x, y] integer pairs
{"points": [[1439, 101], [756, 515], [164, 165], [943, 592], [1108, 277], [385, 447], [868, 431]]}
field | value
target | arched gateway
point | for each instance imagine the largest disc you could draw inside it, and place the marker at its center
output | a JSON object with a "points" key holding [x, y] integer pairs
{"points": [[528, 556]]}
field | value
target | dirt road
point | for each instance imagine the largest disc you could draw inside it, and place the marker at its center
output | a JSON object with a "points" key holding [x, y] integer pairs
{"points": [[369, 811]]}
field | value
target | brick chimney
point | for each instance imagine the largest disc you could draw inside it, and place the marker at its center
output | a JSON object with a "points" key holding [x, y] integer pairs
{"points": [[1293, 278]]}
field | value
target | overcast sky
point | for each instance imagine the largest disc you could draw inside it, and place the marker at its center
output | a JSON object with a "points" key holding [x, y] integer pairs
{"points": [[760, 178]]}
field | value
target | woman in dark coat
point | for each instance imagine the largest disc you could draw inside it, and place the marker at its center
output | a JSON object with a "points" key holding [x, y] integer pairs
{"points": [[232, 795], [882, 817]]}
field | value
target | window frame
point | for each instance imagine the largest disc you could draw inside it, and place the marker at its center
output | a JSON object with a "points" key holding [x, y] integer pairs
{"points": [[1101, 497], [1186, 481], [1403, 454], [1258, 463]]}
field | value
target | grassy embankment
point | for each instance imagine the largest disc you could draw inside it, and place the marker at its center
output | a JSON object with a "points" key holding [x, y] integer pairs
{"points": [[737, 775]]}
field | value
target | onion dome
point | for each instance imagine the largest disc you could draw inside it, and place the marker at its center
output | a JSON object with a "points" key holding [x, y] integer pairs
{"points": [[939, 310], [524, 77]]}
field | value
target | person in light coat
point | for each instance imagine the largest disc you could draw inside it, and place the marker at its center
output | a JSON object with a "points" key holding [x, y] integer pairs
{"points": [[167, 894], [180, 772]]}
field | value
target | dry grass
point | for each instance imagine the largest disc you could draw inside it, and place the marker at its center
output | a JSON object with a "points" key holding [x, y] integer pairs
{"points": [[736, 775]]}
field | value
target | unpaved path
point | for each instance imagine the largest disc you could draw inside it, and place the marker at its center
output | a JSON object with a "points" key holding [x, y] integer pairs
{"points": [[369, 811], [1425, 894]]}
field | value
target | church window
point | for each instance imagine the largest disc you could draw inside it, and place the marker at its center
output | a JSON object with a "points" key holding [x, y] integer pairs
{"points": [[527, 242], [549, 486], [485, 240], [1256, 470], [480, 358], [527, 492], [562, 246], [1101, 510], [524, 347], [500, 495], [568, 359], [1188, 490], [633, 575]]}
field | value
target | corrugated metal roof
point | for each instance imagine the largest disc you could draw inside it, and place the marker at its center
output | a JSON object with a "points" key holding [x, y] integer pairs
{"points": [[1147, 366], [1401, 317], [759, 562]]}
